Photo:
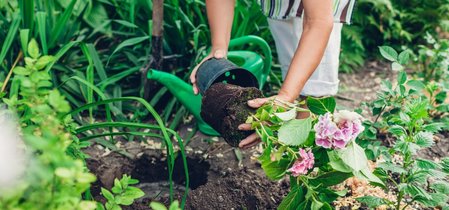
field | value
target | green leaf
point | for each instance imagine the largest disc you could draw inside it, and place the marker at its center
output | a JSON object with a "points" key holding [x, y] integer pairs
{"points": [[402, 77], [316, 205], [293, 199], [330, 178], [416, 85], [424, 139], [366, 172], [157, 206], [33, 49], [372, 201], [353, 156], [395, 66], [286, 116], [43, 61], [388, 53], [388, 166], [295, 132], [12, 31], [275, 170], [175, 206], [336, 162], [321, 106], [397, 130], [441, 187], [19, 70], [108, 195], [128, 42], [426, 164], [404, 57]]}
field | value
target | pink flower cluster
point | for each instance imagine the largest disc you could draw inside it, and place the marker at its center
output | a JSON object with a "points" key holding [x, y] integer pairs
{"points": [[303, 163], [338, 130]]}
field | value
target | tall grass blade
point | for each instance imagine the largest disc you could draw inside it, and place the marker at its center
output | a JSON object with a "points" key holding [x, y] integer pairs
{"points": [[61, 23], [27, 13], [10, 37], [24, 38], [41, 25]]}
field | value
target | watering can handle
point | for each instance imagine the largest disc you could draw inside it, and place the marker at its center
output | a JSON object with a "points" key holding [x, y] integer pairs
{"points": [[266, 50]]}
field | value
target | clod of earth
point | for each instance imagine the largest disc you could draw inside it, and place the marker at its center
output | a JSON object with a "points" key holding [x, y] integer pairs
{"points": [[224, 107]]}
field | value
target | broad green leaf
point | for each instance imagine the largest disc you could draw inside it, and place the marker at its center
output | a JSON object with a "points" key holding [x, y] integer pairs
{"points": [[366, 172], [286, 116], [295, 132], [424, 139], [43, 61], [441, 187], [426, 164], [157, 206], [316, 205], [388, 53], [293, 199], [174, 206], [275, 170], [336, 162], [353, 156], [33, 49], [19, 70], [330, 178], [397, 130], [402, 77], [395, 66], [416, 85], [371, 201], [404, 57], [108, 195], [388, 166], [321, 106]]}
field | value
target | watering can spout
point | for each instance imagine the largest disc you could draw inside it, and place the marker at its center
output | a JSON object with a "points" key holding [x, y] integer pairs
{"points": [[184, 93]]}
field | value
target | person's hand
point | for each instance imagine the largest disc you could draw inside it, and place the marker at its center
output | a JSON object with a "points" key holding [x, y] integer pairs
{"points": [[214, 54], [254, 139]]}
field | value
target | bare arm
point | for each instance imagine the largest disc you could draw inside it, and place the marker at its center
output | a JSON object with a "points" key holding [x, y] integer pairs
{"points": [[318, 23], [220, 14]]}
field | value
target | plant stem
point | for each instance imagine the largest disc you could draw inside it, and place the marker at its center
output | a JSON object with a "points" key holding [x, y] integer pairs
{"points": [[10, 71]]}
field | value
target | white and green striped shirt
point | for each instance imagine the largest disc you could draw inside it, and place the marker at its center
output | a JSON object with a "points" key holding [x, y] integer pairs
{"points": [[283, 9]]}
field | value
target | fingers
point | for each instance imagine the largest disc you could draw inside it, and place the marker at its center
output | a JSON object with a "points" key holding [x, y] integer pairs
{"points": [[258, 102], [193, 80], [245, 127], [249, 141]]}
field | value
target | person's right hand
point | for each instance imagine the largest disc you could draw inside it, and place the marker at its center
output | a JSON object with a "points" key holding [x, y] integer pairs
{"points": [[214, 54]]}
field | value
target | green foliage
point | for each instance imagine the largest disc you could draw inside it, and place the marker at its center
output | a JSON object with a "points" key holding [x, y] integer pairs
{"points": [[405, 116], [122, 193], [56, 177], [392, 22]]}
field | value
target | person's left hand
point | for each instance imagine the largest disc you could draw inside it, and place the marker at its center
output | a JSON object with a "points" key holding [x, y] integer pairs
{"points": [[254, 139]]}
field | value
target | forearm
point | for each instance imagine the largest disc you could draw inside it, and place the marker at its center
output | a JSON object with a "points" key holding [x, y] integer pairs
{"points": [[220, 14], [317, 28]]}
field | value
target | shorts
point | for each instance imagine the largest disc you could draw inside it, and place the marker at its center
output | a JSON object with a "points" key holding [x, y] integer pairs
{"points": [[324, 81]]}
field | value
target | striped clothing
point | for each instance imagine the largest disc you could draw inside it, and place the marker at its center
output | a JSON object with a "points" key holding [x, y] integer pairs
{"points": [[284, 9]]}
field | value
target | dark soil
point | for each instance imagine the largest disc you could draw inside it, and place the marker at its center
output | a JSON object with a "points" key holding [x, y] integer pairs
{"points": [[225, 107], [240, 190]]}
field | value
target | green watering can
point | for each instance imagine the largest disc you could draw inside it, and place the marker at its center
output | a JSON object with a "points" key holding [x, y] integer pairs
{"points": [[255, 63]]}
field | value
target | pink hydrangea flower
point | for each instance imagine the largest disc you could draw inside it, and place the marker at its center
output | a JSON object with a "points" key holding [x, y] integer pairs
{"points": [[338, 130], [305, 162]]}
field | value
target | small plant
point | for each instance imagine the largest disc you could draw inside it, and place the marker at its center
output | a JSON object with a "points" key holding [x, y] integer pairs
{"points": [[122, 193], [160, 206], [316, 152], [433, 59]]}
